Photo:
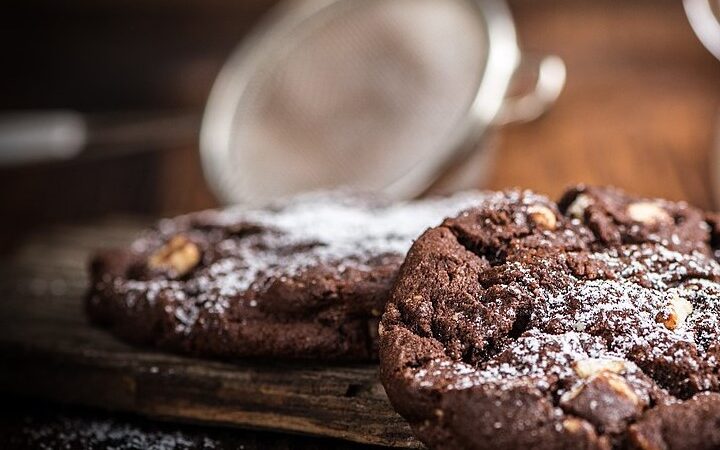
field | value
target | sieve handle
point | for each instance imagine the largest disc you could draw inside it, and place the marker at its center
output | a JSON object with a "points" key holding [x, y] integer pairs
{"points": [[59, 135], [550, 74], [32, 137]]}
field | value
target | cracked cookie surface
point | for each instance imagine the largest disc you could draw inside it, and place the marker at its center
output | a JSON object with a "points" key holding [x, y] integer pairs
{"points": [[593, 323], [306, 278]]}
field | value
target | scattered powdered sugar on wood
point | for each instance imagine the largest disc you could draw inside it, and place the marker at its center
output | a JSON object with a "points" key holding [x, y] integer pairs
{"points": [[71, 432]]}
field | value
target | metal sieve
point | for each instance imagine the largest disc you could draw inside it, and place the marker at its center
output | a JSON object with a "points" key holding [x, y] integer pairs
{"points": [[377, 95]]}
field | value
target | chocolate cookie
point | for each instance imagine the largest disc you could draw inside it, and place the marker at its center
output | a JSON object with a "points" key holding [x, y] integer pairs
{"points": [[304, 279], [595, 324]]}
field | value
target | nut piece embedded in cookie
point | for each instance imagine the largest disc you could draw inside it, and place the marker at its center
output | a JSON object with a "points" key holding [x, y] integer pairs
{"points": [[605, 400], [645, 441], [542, 216], [680, 309], [620, 386], [179, 255], [576, 426], [579, 205], [648, 213], [593, 366], [583, 431]]}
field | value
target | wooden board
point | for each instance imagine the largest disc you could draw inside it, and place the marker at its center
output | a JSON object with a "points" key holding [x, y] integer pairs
{"points": [[50, 351]]}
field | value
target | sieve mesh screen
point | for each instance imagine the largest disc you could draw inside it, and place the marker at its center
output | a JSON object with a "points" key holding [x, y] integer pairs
{"points": [[359, 95]]}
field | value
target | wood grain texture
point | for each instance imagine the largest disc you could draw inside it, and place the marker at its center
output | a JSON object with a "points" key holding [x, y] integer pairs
{"points": [[51, 352], [39, 425]]}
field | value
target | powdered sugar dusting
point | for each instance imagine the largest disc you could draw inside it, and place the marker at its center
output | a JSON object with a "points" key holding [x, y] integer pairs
{"points": [[628, 305], [69, 432], [588, 301], [245, 249], [342, 228]]}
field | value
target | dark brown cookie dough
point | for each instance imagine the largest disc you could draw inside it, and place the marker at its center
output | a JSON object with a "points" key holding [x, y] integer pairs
{"points": [[514, 325], [618, 218], [307, 278], [713, 220]]}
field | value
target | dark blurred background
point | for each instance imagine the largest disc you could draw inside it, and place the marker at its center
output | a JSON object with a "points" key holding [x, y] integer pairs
{"points": [[639, 110]]}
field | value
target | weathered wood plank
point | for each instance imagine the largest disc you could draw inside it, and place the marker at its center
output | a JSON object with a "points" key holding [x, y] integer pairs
{"points": [[50, 351]]}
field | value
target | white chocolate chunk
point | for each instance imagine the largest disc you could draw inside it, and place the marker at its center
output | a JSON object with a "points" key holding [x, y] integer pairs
{"points": [[588, 367], [579, 205], [680, 309], [648, 213], [542, 216]]}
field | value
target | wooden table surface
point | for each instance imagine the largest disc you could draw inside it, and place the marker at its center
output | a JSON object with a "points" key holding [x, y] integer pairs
{"points": [[641, 105], [39, 425], [640, 109]]}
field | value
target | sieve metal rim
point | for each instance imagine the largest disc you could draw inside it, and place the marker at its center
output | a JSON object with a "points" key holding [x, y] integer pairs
{"points": [[503, 58], [705, 23]]}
